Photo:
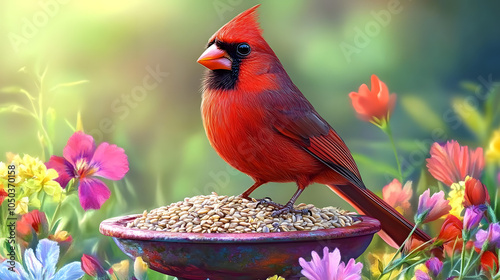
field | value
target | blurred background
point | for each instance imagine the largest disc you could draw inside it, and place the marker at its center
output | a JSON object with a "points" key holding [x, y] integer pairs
{"points": [[142, 89]]}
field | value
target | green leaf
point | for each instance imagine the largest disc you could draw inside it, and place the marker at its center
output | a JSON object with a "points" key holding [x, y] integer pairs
{"points": [[17, 90], [376, 165], [470, 86], [422, 114], [14, 108], [422, 181], [470, 116], [70, 84], [69, 124]]}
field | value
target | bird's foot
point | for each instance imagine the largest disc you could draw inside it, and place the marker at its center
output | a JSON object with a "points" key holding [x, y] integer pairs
{"points": [[267, 201], [288, 208], [282, 209]]}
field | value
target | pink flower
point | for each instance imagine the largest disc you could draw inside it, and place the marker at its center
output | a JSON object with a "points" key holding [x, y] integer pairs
{"points": [[330, 267], [451, 163], [431, 208], [396, 195], [373, 105], [82, 161]]}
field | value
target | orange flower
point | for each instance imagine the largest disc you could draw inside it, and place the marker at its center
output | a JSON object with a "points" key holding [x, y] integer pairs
{"points": [[373, 105], [451, 163], [475, 193], [397, 196]]}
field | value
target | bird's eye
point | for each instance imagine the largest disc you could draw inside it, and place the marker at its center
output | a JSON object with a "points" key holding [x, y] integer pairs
{"points": [[243, 49]]}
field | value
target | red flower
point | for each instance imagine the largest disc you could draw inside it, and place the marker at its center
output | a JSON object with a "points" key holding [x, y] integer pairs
{"points": [[3, 195], [450, 230], [475, 193], [489, 262], [451, 163], [373, 105], [34, 222], [92, 267]]}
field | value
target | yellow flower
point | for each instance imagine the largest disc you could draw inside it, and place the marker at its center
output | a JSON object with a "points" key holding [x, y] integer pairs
{"points": [[120, 270], [275, 277], [140, 269], [378, 261], [493, 152], [456, 197], [35, 176], [3, 174], [22, 206]]}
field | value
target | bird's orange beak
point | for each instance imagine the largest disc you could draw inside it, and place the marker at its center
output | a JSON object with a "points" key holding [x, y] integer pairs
{"points": [[214, 58]]}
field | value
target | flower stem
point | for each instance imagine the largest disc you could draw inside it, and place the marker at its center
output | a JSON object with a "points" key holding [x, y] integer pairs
{"points": [[389, 266], [387, 129], [462, 259], [44, 195], [469, 264], [54, 216]]}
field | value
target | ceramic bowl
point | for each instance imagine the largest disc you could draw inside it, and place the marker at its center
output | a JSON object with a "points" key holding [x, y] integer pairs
{"points": [[236, 255]]}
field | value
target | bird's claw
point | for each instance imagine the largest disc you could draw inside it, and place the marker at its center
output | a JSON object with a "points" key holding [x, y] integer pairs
{"points": [[267, 201], [282, 209], [288, 208]]}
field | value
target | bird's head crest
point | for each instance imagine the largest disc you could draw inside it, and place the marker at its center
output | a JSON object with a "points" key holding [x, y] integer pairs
{"points": [[243, 26]]}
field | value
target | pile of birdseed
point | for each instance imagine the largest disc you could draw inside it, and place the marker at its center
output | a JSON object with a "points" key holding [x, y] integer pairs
{"points": [[234, 214]]}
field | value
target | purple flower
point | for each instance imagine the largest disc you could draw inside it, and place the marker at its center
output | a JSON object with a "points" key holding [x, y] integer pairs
{"points": [[330, 267], [490, 237], [431, 208], [434, 265], [472, 217], [82, 161], [420, 275]]}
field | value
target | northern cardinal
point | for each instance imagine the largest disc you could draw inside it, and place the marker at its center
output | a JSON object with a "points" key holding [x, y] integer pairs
{"points": [[261, 124]]}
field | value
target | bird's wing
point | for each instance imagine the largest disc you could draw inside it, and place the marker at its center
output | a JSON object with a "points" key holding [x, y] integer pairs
{"points": [[306, 128]]}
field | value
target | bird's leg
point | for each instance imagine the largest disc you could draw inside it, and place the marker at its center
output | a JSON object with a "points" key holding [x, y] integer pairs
{"points": [[288, 208], [257, 184]]}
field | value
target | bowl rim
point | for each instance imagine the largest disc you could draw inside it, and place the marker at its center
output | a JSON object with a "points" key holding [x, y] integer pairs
{"points": [[116, 228]]}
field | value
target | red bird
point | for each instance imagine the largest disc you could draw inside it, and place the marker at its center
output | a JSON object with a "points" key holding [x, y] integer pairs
{"points": [[261, 124]]}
